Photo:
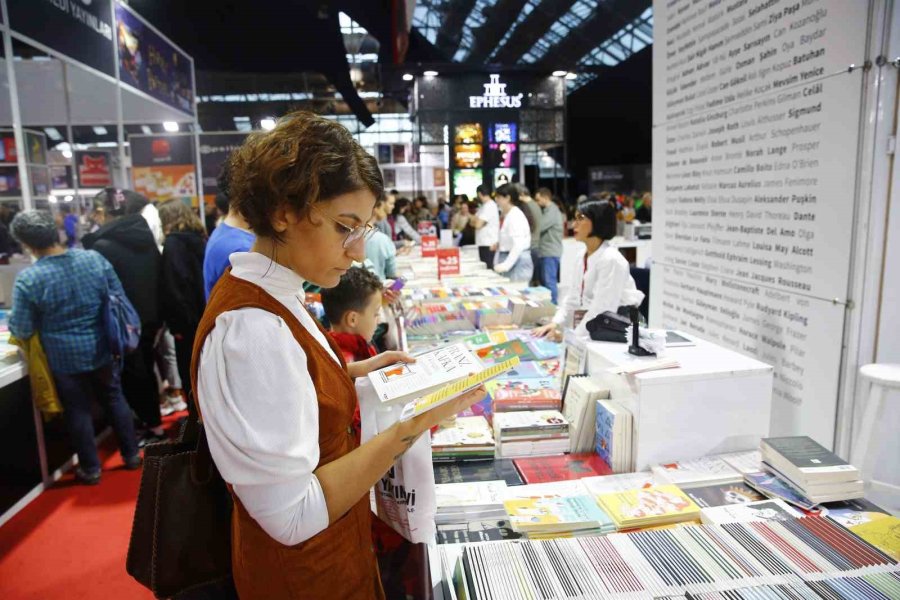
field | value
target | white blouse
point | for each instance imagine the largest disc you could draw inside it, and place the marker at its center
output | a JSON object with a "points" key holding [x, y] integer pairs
{"points": [[515, 236], [604, 284], [260, 408]]}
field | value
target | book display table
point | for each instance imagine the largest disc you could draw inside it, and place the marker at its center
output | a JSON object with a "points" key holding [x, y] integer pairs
{"points": [[717, 401]]}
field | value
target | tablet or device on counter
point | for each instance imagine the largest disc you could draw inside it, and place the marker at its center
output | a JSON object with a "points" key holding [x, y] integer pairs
{"points": [[675, 340]]}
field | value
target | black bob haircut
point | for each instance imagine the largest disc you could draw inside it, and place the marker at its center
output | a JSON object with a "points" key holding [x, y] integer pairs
{"points": [[352, 293], [602, 216]]}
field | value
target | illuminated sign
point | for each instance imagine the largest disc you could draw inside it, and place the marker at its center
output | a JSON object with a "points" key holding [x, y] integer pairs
{"points": [[495, 96]]}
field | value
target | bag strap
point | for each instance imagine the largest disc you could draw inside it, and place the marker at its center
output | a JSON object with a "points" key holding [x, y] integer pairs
{"points": [[203, 469]]}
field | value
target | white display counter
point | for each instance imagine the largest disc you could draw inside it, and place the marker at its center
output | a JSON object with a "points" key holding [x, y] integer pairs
{"points": [[716, 401]]}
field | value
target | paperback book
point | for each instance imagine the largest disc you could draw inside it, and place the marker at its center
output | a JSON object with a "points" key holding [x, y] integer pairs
{"points": [[402, 382], [490, 530], [469, 471], [613, 430], [557, 515], [526, 394], [706, 469], [646, 507], [460, 502], [465, 437], [579, 408], [773, 487], [543, 469], [499, 353], [622, 482], [762, 510], [722, 494], [823, 492], [806, 462]]}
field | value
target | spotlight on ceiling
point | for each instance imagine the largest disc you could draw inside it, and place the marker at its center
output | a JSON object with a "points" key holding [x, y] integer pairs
{"points": [[268, 123], [430, 73], [146, 129], [559, 73], [170, 126], [408, 77], [571, 76]]}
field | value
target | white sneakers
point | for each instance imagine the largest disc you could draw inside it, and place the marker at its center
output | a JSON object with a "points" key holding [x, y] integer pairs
{"points": [[172, 404]]}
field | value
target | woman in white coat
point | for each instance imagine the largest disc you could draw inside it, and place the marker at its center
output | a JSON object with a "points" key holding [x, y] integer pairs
{"points": [[602, 280], [513, 256]]}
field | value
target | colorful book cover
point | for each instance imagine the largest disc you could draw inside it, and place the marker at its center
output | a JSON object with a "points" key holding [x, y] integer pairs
{"points": [[603, 436], [545, 349], [480, 340], [498, 469], [551, 366], [523, 393], [528, 370], [773, 487], [528, 513], [476, 531], [883, 533], [541, 469], [501, 352], [851, 513], [723, 494], [763, 510], [648, 505]]}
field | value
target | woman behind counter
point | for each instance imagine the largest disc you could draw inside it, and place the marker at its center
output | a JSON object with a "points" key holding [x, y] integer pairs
{"points": [[276, 397], [602, 278]]}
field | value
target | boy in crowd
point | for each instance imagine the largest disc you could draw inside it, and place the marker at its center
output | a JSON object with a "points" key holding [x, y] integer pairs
{"points": [[352, 308]]}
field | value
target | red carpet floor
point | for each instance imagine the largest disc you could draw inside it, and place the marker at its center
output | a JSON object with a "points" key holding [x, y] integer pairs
{"points": [[70, 543]]}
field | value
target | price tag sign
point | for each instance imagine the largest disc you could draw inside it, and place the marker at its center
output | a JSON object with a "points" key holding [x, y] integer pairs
{"points": [[448, 261], [429, 245]]}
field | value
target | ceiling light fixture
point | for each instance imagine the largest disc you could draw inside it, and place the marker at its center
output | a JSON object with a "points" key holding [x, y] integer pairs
{"points": [[560, 73], [571, 76], [100, 130], [53, 133], [170, 126], [408, 77], [430, 73], [268, 123], [146, 129]]}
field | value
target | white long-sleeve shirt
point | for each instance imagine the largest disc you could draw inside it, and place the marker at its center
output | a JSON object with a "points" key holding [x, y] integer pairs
{"points": [[601, 283], [488, 233], [515, 236], [260, 407]]}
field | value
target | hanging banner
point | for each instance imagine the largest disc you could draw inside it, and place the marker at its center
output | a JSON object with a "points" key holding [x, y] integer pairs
{"points": [[81, 31], [448, 261], [94, 169], [162, 167], [215, 148], [152, 64]]}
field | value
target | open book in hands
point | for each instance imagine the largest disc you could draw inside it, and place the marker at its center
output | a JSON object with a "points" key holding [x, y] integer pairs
{"points": [[436, 377]]}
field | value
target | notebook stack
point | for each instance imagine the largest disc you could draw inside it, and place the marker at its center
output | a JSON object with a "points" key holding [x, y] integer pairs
{"points": [[806, 466], [464, 502], [530, 433], [466, 438], [649, 507]]}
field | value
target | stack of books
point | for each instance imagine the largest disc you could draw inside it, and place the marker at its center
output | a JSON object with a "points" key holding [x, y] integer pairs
{"points": [[761, 510], [464, 502], [649, 507], [530, 433], [532, 393], [579, 402], [706, 470], [466, 438], [549, 516], [807, 467], [613, 430]]}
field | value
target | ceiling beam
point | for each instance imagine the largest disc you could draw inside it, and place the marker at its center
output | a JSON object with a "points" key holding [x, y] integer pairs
{"points": [[498, 19], [530, 29], [451, 29], [610, 17]]}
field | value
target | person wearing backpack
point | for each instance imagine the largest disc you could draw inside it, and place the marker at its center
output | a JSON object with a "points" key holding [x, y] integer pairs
{"points": [[63, 299], [125, 240]]}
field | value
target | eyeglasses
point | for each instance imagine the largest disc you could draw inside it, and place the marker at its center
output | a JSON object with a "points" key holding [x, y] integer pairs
{"points": [[580, 217], [354, 234]]}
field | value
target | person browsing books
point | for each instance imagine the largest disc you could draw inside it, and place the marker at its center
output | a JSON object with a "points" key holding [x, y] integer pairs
{"points": [[275, 394], [602, 279], [487, 226], [514, 246]]}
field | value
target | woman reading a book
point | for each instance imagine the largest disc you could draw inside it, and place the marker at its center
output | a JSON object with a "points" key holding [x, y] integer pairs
{"points": [[602, 279], [275, 394]]}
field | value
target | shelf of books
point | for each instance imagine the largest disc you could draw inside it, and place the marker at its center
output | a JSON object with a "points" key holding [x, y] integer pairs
{"points": [[533, 497]]}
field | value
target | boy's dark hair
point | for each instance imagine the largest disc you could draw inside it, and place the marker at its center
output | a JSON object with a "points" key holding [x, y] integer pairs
{"points": [[352, 293], [483, 190], [603, 219], [222, 203], [545, 192]]}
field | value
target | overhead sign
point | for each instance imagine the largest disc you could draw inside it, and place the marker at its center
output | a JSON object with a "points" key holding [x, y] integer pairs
{"points": [[152, 64], [94, 170], [81, 30], [163, 167], [495, 96]]}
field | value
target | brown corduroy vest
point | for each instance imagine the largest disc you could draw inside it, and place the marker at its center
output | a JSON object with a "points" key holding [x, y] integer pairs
{"points": [[338, 562]]}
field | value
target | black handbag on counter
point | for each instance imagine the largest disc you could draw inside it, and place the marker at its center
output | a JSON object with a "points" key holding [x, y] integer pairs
{"points": [[608, 327], [181, 537]]}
